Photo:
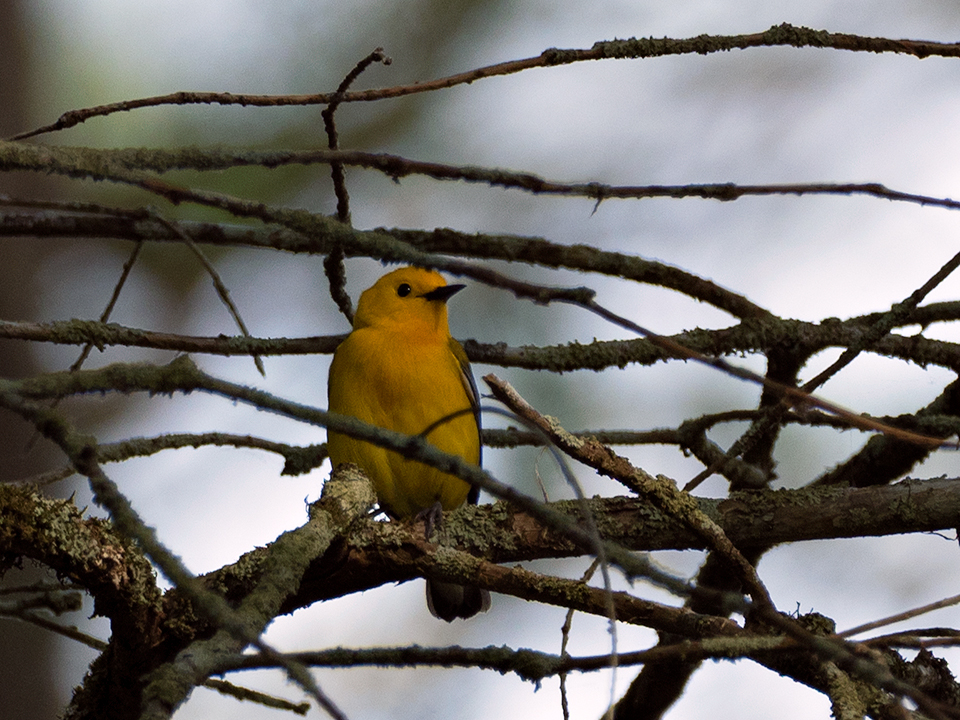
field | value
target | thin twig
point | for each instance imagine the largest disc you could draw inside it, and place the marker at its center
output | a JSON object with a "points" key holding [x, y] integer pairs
{"points": [[242, 693], [330, 127], [778, 35], [222, 291], [395, 166], [112, 302], [298, 459], [336, 274], [564, 641], [333, 263], [529, 665], [104, 316], [76, 332], [67, 631], [885, 323], [905, 615], [917, 639]]}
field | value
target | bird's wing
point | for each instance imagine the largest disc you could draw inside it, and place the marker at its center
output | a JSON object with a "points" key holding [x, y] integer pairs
{"points": [[470, 385]]}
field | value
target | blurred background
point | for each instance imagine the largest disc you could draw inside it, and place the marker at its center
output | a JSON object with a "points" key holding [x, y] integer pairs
{"points": [[759, 116]]}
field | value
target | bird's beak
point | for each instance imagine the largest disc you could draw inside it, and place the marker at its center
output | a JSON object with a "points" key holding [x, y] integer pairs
{"points": [[443, 293]]}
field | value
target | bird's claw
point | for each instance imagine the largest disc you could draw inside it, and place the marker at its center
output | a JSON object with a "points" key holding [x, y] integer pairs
{"points": [[432, 518]]}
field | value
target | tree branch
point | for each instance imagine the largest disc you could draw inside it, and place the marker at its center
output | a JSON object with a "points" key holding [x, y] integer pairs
{"points": [[778, 35]]}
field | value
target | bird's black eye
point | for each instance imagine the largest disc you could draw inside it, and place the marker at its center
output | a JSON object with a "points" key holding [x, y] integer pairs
{"points": [[403, 290]]}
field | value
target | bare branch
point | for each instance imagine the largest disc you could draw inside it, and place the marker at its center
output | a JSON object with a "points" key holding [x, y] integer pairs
{"points": [[782, 35]]}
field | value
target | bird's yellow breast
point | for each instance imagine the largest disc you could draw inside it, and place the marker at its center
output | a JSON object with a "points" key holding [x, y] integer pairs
{"points": [[403, 381]]}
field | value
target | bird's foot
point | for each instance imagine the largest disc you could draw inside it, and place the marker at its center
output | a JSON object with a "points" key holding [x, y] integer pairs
{"points": [[432, 518]]}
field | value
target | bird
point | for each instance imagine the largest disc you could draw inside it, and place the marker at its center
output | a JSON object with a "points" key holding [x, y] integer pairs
{"points": [[400, 369]]}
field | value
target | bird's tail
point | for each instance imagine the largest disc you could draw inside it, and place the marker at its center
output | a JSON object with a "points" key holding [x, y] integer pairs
{"points": [[448, 600]]}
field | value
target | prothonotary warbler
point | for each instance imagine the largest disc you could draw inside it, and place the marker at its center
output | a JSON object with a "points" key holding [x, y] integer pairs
{"points": [[401, 370]]}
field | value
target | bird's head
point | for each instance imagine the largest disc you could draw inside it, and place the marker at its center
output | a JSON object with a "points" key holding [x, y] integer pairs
{"points": [[410, 296]]}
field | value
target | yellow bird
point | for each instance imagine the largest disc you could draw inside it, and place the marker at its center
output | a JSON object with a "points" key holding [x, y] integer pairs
{"points": [[401, 370]]}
